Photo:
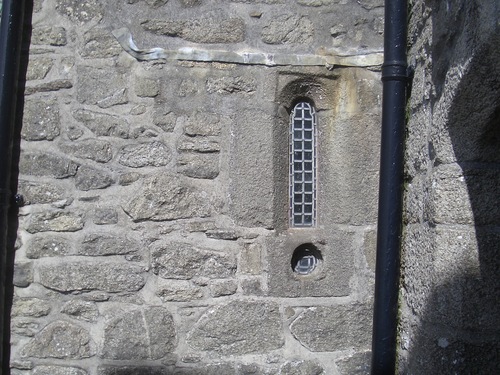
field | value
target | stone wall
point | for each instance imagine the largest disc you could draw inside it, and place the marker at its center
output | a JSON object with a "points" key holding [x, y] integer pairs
{"points": [[450, 285], [154, 236]]}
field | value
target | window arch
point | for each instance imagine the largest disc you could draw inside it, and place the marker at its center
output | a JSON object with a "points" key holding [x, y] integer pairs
{"points": [[302, 163]]}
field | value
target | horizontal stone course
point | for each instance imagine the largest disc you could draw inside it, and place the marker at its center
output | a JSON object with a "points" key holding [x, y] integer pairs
{"points": [[73, 276]]}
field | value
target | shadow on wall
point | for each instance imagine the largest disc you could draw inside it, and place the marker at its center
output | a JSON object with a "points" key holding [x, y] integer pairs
{"points": [[460, 332]]}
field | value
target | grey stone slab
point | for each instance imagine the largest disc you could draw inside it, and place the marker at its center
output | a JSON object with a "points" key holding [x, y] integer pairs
{"points": [[141, 334], [51, 35], [196, 165], [357, 364], [214, 27], [73, 276], [90, 178], [103, 124], [61, 340], [46, 164], [48, 245], [251, 169], [332, 276], [80, 11], [238, 327], [31, 307], [167, 197], [107, 243], [154, 154], [82, 310], [301, 367], [332, 328], [39, 67], [57, 221], [104, 87], [35, 192], [288, 29], [184, 261], [99, 43], [58, 370]]}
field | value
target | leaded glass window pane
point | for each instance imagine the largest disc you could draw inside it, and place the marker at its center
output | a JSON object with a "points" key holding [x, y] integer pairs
{"points": [[302, 158]]}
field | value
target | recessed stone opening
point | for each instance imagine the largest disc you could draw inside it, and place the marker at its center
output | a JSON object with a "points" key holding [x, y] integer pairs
{"points": [[306, 259]]}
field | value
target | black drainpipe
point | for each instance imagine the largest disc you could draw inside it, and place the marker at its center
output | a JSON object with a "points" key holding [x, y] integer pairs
{"points": [[394, 77], [10, 51]]}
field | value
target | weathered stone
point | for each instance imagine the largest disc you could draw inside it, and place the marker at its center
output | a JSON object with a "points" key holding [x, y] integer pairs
{"points": [[104, 87], [41, 120], [358, 364], [167, 197], [105, 216], [215, 27], [208, 369], [252, 170], [219, 288], [184, 261], [81, 11], [93, 149], [24, 326], [99, 244], [178, 291], [47, 246], [250, 259], [57, 221], [164, 120], [32, 307], [103, 124], [126, 179], [146, 87], [86, 276], [39, 67], [223, 234], [82, 310], [371, 4], [47, 165], [206, 124], [55, 85], [156, 3], [370, 249], [331, 328], [231, 85], [99, 43], [52, 35], [23, 274], [188, 87], [142, 334], [301, 367], [58, 370], [252, 287], [40, 193], [132, 370], [288, 29], [194, 165], [450, 184], [89, 178], [61, 340], [199, 144], [239, 327], [74, 132], [153, 154]]}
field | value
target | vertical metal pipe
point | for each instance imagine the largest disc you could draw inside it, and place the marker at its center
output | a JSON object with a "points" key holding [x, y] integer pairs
{"points": [[394, 77], [10, 51]]}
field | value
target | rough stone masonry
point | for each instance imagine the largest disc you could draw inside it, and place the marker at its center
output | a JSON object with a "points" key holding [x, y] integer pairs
{"points": [[154, 237]]}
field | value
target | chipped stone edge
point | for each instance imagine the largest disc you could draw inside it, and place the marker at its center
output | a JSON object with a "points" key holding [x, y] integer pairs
{"points": [[124, 37]]}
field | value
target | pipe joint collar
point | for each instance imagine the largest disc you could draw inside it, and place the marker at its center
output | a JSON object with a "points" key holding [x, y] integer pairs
{"points": [[394, 71]]}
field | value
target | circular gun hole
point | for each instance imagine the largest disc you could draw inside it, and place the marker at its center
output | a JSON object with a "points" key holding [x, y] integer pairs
{"points": [[305, 259]]}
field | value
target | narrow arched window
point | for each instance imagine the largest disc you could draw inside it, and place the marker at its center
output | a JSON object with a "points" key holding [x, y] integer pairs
{"points": [[302, 151]]}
